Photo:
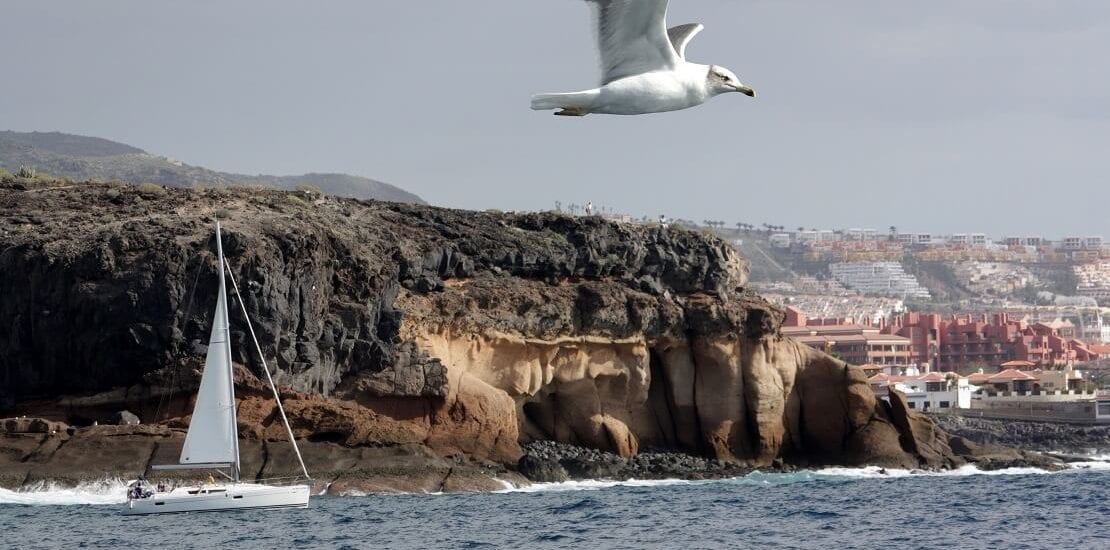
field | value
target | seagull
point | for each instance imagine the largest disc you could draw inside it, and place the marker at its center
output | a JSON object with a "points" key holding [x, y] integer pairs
{"points": [[643, 65]]}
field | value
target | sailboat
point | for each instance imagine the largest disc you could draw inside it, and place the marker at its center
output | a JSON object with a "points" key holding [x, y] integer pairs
{"points": [[213, 440]]}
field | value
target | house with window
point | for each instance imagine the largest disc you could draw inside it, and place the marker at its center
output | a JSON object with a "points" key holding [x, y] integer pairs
{"points": [[934, 391]]}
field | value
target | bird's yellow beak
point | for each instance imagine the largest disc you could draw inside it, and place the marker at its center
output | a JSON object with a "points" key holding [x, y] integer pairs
{"points": [[746, 90]]}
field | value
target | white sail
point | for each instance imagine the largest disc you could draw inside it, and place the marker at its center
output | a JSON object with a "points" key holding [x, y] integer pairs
{"points": [[212, 436]]}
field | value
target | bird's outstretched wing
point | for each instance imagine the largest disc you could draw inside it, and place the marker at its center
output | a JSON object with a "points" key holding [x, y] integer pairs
{"points": [[632, 38], [682, 35]]}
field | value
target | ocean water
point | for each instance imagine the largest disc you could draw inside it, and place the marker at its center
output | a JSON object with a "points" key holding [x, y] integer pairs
{"points": [[834, 508]]}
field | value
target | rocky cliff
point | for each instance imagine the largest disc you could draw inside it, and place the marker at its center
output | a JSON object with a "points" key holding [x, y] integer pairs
{"points": [[416, 329]]}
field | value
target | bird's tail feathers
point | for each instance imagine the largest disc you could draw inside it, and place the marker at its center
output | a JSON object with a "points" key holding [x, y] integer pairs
{"points": [[573, 100]]}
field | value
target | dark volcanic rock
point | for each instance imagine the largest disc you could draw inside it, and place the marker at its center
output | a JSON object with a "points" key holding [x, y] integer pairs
{"points": [[550, 461], [319, 280], [541, 470], [1037, 436]]}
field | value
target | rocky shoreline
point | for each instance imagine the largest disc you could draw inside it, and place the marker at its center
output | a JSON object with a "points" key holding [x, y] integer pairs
{"points": [[36, 452], [553, 462], [1033, 436]]}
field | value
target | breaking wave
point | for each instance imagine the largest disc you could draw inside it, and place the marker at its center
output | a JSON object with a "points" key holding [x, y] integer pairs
{"points": [[108, 491], [805, 476]]}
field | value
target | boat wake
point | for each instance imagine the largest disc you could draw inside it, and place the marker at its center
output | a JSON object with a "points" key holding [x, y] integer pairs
{"points": [[108, 491]]}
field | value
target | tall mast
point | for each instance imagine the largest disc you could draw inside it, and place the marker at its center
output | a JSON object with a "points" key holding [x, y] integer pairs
{"points": [[227, 343], [270, 379]]}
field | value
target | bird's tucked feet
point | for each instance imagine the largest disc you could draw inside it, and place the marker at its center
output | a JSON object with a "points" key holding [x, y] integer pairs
{"points": [[572, 111]]}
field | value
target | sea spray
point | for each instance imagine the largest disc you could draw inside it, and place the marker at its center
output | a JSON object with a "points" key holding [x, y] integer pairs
{"points": [[107, 491]]}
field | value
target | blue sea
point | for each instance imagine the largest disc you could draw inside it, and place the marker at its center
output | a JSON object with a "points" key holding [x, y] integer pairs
{"points": [[834, 508]]}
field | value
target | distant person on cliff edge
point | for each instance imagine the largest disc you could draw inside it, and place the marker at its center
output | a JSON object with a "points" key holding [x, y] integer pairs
{"points": [[589, 208]]}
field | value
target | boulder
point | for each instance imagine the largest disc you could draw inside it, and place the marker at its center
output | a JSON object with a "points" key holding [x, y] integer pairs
{"points": [[125, 418], [541, 470], [25, 425]]}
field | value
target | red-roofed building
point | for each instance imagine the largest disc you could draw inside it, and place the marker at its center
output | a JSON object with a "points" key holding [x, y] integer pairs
{"points": [[1011, 380], [855, 344], [955, 343]]}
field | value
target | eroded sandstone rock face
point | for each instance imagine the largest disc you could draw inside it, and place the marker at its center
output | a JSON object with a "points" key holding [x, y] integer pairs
{"points": [[462, 333]]}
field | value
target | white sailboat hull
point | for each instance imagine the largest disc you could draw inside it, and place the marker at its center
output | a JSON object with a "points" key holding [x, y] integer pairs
{"points": [[213, 498]]}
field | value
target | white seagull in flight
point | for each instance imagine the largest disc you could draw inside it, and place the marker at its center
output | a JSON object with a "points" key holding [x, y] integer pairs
{"points": [[643, 65]]}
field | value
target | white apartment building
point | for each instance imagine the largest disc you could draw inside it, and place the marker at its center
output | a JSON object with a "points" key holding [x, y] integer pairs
{"points": [[780, 240], [879, 278], [815, 236]]}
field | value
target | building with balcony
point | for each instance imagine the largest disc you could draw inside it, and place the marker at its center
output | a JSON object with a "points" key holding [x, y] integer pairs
{"points": [[855, 344], [932, 391], [980, 341], [878, 278], [780, 240]]}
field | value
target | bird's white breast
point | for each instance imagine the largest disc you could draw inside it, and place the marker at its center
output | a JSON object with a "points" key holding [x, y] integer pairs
{"points": [[654, 92]]}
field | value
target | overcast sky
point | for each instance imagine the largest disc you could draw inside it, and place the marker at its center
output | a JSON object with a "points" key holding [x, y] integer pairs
{"points": [[942, 116]]}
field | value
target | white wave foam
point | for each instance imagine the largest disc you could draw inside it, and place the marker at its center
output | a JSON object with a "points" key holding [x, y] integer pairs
{"points": [[594, 485], [875, 472], [1092, 465], [774, 478], [109, 491]]}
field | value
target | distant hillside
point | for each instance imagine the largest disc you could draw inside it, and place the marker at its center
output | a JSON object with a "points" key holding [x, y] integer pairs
{"points": [[82, 157]]}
